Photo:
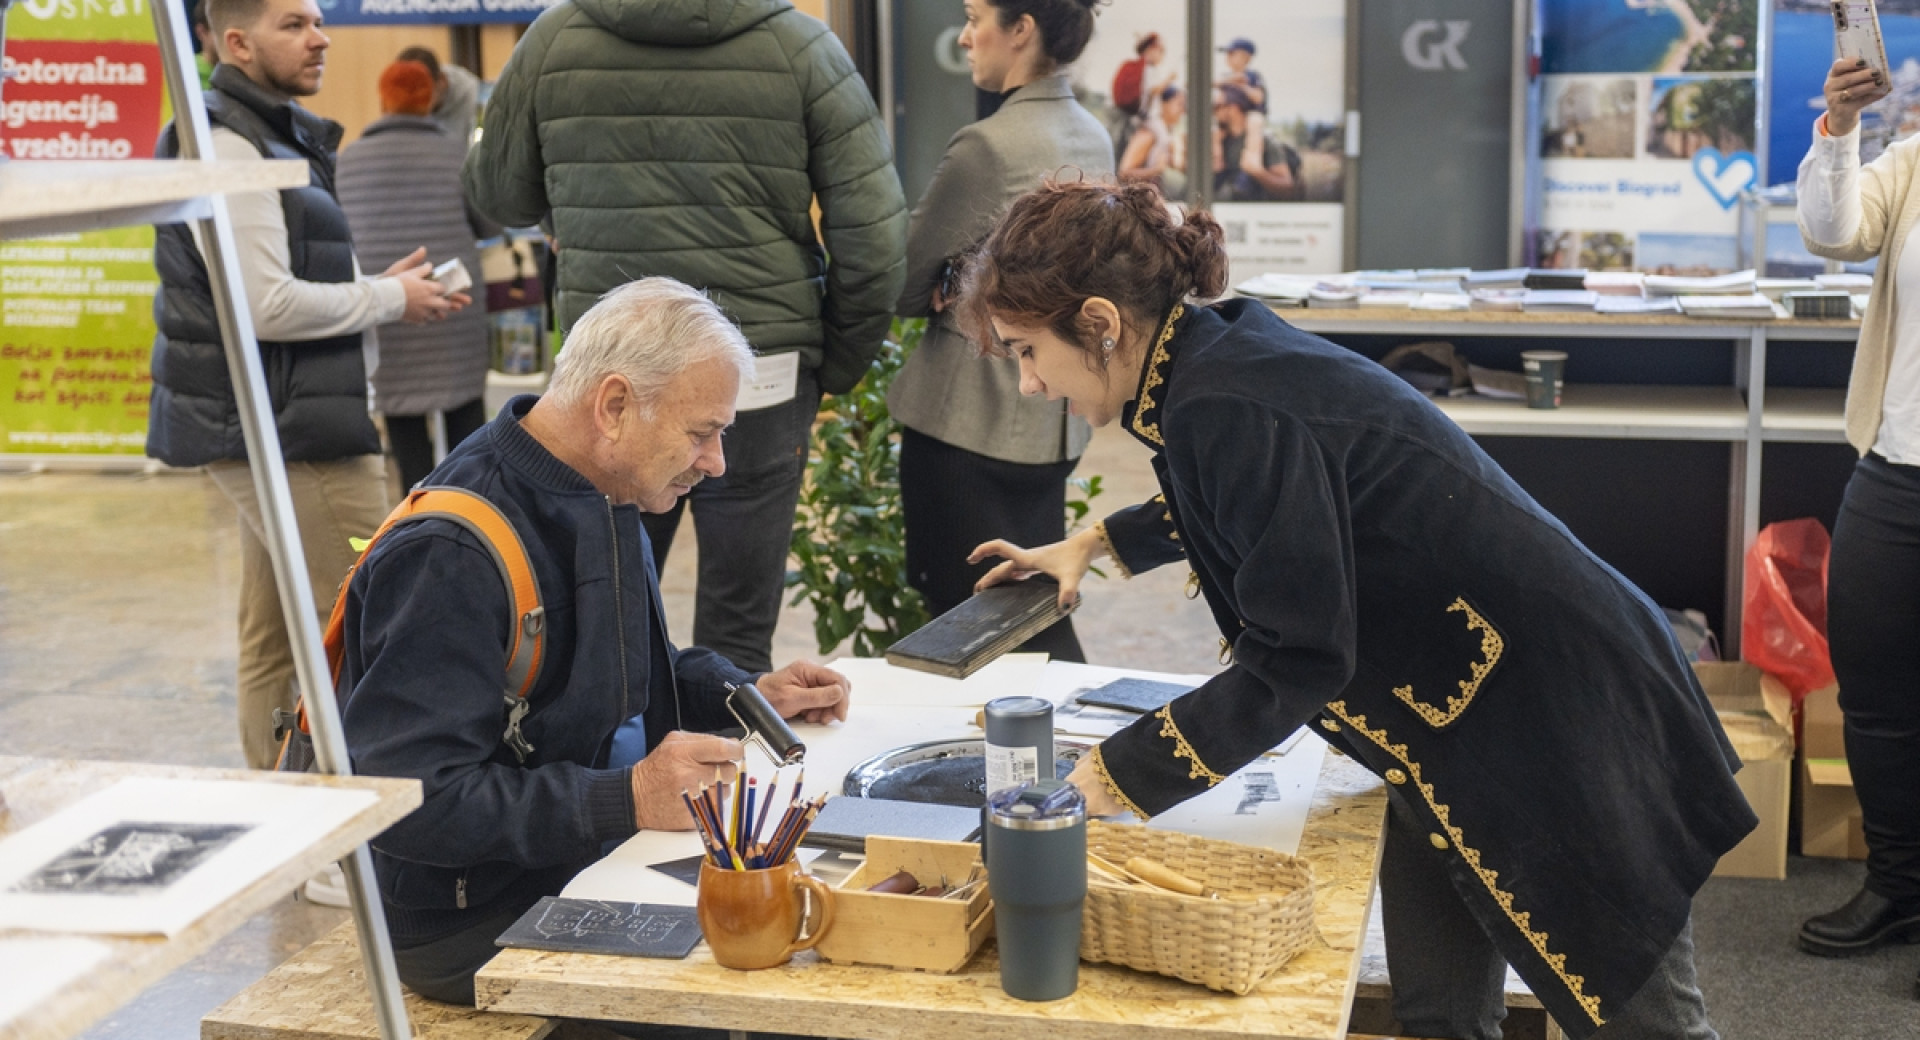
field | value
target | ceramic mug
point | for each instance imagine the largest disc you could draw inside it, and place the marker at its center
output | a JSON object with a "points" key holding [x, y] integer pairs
{"points": [[752, 918]]}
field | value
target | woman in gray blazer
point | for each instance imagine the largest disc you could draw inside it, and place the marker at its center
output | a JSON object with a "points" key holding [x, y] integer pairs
{"points": [[978, 461]]}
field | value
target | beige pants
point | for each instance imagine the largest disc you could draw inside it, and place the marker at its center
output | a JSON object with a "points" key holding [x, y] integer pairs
{"points": [[332, 501]]}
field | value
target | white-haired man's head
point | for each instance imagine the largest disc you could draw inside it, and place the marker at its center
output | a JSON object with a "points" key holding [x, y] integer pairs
{"points": [[642, 390]]}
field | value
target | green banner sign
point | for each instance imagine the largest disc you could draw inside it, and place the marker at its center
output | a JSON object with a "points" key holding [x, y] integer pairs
{"points": [[85, 82]]}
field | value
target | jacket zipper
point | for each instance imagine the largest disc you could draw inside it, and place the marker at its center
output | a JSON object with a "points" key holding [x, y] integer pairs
{"points": [[460, 891], [619, 619]]}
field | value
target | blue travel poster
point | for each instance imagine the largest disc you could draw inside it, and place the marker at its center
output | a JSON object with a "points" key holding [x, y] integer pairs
{"points": [[1664, 36], [1802, 54]]}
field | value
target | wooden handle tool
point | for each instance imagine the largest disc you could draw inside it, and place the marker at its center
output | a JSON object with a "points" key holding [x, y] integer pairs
{"points": [[1158, 875]]}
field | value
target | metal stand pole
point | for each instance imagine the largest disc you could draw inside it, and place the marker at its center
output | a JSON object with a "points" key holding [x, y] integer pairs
{"points": [[1200, 104], [276, 507]]}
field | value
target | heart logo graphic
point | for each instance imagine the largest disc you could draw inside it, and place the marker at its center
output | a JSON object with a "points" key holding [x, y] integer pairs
{"points": [[1725, 176]]}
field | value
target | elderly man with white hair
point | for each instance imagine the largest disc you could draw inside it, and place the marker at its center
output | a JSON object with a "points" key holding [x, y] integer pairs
{"points": [[641, 394]]}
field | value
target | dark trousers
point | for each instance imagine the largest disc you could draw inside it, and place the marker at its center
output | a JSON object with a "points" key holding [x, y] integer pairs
{"points": [[744, 523], [413, 444], [1449, 980], [1873, 625], [954, 499]]}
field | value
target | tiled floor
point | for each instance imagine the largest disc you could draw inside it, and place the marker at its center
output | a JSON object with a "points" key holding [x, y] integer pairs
{"points": [[117, 598]]}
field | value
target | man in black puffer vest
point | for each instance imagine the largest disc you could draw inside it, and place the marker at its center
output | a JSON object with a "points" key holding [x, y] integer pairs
{"points": [[313, 315]]}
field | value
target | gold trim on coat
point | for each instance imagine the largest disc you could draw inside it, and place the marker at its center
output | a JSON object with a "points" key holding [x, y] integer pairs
{"points": [[1154, 377], [1182, 749], [1106, 779], [1489, 878], [1491, 647], [1100, 528]]}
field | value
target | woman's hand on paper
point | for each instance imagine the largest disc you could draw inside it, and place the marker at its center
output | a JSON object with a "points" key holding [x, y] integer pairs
{"points": [[1851, 86], [1065, 561]]}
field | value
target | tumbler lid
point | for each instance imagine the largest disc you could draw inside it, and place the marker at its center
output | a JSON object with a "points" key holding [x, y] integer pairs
{"points": [[1018, 707], [1041, 805]]}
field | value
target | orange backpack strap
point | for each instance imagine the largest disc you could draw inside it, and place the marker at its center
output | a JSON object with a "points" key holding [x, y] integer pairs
{"points": [[526, 643]]}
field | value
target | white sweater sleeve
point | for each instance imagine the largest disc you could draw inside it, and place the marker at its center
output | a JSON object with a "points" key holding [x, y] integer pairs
{"points": [[286, 308], [1829, 189]]}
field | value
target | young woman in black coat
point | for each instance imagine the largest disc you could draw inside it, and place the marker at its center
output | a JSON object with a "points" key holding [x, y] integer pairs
{"points": [[1560, 786]]}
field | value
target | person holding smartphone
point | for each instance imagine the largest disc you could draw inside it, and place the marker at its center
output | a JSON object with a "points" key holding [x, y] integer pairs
{"points": [[400, 186], [1858, 213], [976, 459]]}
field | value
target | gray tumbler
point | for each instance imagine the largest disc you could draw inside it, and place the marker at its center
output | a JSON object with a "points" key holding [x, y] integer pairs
{"points": [[1019, 745], [1037, 872]]}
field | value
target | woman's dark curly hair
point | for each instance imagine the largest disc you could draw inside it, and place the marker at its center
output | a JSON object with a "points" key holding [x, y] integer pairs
{"points": [[1064, 243]]}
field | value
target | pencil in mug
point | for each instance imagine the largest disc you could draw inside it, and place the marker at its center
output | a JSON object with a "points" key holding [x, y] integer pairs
{"points": [[700, 825]]}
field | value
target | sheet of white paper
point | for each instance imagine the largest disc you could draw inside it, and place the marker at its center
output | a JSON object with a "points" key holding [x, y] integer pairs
{"points": [[35, 969], [877, 683], [150, 856], [1264, 804]]}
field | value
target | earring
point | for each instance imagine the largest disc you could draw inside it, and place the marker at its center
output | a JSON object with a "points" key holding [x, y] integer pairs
{"points": [[1107, 344]]}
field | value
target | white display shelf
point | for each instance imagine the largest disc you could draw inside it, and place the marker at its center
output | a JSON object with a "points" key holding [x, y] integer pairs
{"points": [[34, 789], [1611, 412], [1802, 415], [1743, 412], [51, 198]]}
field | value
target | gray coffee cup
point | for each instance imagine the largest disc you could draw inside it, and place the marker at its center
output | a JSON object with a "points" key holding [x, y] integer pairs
{"points": [[1545, 370], [1037, 872]]}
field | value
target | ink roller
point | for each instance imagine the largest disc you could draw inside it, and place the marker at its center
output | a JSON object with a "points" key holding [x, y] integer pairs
{"points": [[765, 728]]}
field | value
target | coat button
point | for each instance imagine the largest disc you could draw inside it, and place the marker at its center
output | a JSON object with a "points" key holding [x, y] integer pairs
{"points": [[1395, 776], [1438, 841], [1329, 725]]}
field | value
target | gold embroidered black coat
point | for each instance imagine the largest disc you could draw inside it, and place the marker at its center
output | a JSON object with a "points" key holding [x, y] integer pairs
{"points": [[1379, 577]]}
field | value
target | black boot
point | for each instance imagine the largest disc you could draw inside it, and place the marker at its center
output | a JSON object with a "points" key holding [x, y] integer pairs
{"points": [[1867, 921]]}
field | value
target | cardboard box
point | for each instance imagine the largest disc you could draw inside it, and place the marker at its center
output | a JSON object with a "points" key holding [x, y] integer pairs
{"points": [[1752, 707], [1829, 810], [899, 931], [1739, 686]]}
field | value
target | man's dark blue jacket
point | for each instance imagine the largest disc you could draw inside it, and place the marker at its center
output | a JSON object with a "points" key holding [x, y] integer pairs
{"points": [[427, 618]]}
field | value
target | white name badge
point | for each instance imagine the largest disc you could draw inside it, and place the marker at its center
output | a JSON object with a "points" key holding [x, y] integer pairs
{"points": [[775, 378]]}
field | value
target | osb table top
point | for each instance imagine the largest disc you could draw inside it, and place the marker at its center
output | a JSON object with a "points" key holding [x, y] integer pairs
{"points": [[1308, 1000], [35, 788]]}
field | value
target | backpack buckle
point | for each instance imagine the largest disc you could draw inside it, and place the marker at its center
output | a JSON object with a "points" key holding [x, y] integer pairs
{"points": [[284, 722], [517, 708]]}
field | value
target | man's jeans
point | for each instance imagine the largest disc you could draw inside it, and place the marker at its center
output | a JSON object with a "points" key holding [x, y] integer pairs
{"points": [[744, 523], [1449, 980]]}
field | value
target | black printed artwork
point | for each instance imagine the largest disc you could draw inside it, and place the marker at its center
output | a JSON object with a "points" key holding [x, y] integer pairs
{"points": [[132, 859]]}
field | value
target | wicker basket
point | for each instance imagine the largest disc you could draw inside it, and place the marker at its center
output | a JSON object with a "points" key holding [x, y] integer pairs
{"points": [[1233, 943]]}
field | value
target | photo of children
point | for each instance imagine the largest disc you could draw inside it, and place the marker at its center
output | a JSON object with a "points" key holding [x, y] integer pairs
{"points": [[1688, 114], [1137, 55], [1278, 141], [1588, 118]]}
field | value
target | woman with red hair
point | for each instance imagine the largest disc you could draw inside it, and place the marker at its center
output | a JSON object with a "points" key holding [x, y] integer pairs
{"points": [[400, 186]]}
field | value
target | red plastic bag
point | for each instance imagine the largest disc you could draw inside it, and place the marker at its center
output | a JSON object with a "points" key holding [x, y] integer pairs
{"points": [[1783, 623]]}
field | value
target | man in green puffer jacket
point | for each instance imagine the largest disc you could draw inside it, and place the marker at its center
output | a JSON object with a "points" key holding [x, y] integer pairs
{"points": [[690, 138]]}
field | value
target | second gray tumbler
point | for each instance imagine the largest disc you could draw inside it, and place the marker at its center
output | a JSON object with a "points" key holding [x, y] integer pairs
{"points": [[1037, 872]]}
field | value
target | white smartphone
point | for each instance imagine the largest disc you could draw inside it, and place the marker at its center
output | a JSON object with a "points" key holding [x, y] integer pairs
{"points": [[453, 277], [1856, 34]]}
